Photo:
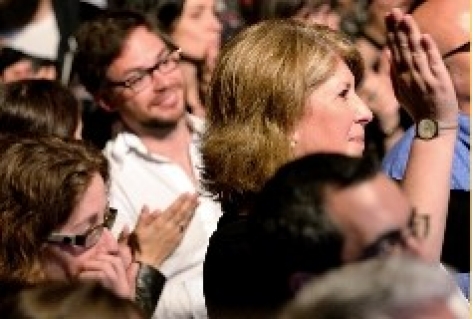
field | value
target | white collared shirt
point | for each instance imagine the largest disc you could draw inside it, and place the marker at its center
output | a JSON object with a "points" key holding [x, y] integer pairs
{"points": [[139, 177]]}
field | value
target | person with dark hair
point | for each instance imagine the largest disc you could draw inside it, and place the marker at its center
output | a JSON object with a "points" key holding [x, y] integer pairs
{"points": [[73, 300], [194, 27], [39, 107], [155, 159], [272, 101]]}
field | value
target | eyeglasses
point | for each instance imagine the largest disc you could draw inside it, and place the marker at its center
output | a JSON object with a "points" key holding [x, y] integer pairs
{"points": [[417, 227], [90, 237], [140, 79], [465, 47]]}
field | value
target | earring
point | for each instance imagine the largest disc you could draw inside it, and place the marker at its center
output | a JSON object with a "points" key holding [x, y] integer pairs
{"points": [[292, 143]]}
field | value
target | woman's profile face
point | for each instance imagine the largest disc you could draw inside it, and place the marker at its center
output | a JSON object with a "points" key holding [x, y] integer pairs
{"points": [[198, 30], [334, 118]]}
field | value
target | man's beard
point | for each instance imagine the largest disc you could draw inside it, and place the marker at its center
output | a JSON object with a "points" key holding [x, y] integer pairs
{"points": [[159, 124]]}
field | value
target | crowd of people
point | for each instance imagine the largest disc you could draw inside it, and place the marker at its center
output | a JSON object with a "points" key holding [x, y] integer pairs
{"points": [[235, 159]]}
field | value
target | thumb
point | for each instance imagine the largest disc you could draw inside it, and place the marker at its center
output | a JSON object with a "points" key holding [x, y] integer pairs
{"points": [[145, 216], [124, 234], [384, 66]]}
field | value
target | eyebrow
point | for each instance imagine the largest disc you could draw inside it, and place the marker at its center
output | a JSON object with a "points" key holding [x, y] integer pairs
{"points": [[141, 68], [91, 221]]}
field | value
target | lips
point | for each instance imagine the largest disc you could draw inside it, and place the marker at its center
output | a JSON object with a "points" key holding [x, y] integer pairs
{"points": [[166, 100]]}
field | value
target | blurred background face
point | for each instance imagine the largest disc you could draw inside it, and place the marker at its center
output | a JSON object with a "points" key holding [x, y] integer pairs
{"points": [[198, 29], [322, 14]]}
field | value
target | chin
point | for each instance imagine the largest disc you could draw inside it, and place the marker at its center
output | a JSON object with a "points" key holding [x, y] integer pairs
{"points": [[355, 150]]}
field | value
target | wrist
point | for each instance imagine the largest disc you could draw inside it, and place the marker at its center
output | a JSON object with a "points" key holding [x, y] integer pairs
{"points": [[427, 128], [154, 261]]}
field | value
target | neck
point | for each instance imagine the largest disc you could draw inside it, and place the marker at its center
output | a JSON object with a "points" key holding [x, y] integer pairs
{"points": [[165, 140], [172, 144]]}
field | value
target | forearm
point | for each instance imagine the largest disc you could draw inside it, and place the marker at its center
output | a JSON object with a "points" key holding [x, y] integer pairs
{"points": [[427, 184]]}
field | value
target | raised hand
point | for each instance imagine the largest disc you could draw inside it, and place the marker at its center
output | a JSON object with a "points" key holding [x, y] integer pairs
{"points": [[158, 233], [421, 81]]}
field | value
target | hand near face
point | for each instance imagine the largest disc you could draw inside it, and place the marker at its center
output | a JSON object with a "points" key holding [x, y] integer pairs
{"points": [[112, 267], [158, 233], [421, 81]]}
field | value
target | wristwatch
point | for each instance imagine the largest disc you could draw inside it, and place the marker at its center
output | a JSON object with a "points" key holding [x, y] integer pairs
{"points": [[427, 129]]}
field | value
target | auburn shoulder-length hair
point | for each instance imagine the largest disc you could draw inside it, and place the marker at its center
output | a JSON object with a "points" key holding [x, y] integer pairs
{"points": [[42, 181], [257, 94]]}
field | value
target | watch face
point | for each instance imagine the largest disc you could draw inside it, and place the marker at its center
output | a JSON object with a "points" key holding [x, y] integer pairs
{"points": [[427, 129]]}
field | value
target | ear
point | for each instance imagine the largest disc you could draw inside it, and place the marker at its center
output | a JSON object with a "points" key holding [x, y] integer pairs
{"points": [[294, 138]]}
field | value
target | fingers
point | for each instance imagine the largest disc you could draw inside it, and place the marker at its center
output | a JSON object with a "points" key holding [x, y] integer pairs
{"points": [[110, 271], [125, 253], [434, 58], [420, 78], [124, 235], [384, 66], [185, 212], [182, 209], [391, 21], [159, 235]]}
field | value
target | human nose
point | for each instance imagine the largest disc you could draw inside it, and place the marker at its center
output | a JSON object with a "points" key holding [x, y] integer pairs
{"points": [[364, 114], [159, 79], [214, 23], [107, 243]]}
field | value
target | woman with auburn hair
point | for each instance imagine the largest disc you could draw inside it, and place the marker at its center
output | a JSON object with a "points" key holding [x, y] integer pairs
{"points": [[55, 222]]}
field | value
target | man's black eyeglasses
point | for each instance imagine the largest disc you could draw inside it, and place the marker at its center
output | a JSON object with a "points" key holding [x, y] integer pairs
{"points": [[142, 78], [90, 237]]}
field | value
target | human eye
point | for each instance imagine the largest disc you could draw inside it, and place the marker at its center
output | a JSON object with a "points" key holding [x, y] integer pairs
{"points": [[196, 12], [135, 78], [344, 92]]}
